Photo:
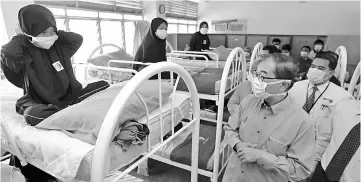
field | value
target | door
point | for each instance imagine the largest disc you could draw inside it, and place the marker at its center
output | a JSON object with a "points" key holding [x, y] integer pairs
{"points": [[252, 40], [236, 41]]}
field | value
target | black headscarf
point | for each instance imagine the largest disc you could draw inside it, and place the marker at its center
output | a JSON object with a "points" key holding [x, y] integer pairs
{"points": [[199, 41], [152, 48], [35, 19], [53, 85]]}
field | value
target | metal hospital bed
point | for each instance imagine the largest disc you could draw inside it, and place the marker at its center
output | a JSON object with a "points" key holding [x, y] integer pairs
{"points": [[11, 141]]}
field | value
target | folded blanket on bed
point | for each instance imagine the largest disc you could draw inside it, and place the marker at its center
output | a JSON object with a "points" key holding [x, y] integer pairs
{"points": [[132, 132], [86, 118]]}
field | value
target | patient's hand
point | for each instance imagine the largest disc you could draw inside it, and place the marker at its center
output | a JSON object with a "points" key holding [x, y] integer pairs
{"points": [[242, 145]]}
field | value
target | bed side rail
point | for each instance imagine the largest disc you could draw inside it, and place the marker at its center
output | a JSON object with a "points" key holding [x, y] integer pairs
{"points": [[235, 63], [115, 111]]}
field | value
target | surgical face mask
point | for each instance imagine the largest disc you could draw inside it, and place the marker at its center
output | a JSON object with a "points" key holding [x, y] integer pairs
{"points": [[43, 42], [259, 88], [304, 54], [316, 76], [162, 34], [204, 31], [318, 48]]}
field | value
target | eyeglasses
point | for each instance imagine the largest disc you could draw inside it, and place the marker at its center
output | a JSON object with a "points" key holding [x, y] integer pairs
{"points": [[260, 77]]}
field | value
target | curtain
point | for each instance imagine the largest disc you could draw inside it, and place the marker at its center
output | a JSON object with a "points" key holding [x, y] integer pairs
{"points": [[141, 30]]}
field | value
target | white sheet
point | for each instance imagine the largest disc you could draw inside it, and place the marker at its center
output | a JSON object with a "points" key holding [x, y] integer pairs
{"points": [[67, 157]]}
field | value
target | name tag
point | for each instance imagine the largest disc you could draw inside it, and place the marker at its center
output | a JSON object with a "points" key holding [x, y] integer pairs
{"points": [[58, 67], [204, 41]]}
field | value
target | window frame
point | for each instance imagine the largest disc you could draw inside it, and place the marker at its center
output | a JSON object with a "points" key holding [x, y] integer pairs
{"points": [[188, 24], [67, 18]]}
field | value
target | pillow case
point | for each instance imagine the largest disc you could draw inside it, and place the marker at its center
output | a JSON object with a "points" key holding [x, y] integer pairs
{"points": [[88, 115]]}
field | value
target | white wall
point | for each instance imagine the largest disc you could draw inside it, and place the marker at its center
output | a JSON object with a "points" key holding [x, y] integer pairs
{"points": [[271, 17], [151, 10], [10, 11], [3, 35]]}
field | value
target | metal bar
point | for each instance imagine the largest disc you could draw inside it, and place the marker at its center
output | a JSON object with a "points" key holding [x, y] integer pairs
{"points": [[148, 155]]}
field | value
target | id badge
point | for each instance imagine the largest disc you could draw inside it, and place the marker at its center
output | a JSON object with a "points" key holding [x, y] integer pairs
{"points": [[58, 67], [204, 41]]}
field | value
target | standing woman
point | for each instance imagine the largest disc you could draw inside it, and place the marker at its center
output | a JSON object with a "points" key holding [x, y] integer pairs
{"points": [[200, 40], [153, 46]]}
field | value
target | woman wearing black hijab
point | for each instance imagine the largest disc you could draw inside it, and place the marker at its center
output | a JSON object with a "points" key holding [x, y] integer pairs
{"points": [[153, 46], [200, 40], [38, 61]]}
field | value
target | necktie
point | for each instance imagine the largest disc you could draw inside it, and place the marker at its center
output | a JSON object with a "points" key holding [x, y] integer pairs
{"points": [[344, 154], [310, 100]]}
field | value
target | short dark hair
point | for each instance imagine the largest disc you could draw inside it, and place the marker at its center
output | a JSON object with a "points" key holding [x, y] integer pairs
{"points": [[286, 47], [285, 66], [202, 23], [276, 40], [307, 47], [271, 49], [331, 56], [319, 41]]}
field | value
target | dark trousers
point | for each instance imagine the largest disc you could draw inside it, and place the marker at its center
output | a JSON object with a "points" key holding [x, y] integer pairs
{"points": [[37, 113], [31, 173]]}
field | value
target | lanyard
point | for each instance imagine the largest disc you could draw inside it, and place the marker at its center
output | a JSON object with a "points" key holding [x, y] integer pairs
{"points": [[313, 104]]}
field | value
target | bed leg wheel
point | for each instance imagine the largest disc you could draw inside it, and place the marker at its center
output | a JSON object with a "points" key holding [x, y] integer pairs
{"points": [[143, 169]]}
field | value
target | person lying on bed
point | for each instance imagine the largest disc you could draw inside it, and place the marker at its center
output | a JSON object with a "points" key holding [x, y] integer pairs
{"points": [[38, 61], [153, 47], [272, 138]]}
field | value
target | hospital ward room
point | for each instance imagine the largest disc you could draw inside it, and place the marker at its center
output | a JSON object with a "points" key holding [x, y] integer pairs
{"points": [[180, 91]]}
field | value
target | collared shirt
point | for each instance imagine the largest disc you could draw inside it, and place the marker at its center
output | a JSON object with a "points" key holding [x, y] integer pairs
{"points": [[332, 94], [283, 134], [242, 91], [332, 132], [320, 89]]}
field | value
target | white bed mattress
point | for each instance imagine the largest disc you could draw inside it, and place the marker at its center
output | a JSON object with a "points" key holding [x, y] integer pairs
{"points": [[68, 157]]}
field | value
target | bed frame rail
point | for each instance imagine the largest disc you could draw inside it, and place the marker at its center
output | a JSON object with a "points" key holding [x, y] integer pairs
{"points": [[117, 108]]}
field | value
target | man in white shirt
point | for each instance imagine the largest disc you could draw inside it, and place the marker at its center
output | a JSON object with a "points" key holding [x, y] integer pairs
{"points": [[317, 95], [338, 144]]}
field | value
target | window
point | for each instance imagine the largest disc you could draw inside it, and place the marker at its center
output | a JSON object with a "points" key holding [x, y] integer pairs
{"points": [[129, 37], [192, 28], [172, 28], [181, 16], [111, 33], [133, 17], [81, 13], [98, 21], [90, 37], [60, 24], [111, 15], [182, 9], [182, 28]]}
